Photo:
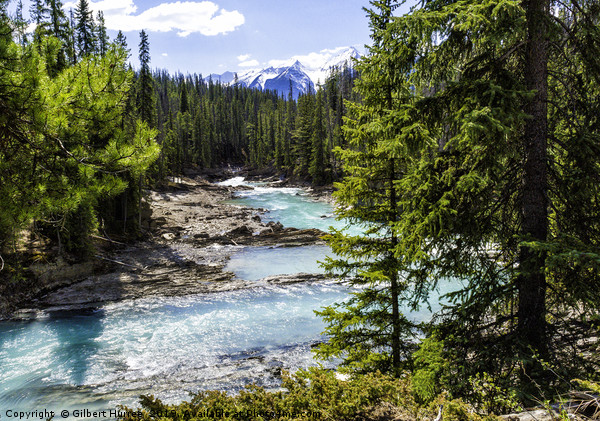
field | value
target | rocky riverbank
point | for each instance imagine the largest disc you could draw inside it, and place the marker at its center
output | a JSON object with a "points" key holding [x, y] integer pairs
{"points": [[192, 234]]}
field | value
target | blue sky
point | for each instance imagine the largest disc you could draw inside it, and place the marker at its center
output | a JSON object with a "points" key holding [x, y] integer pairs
{"points": [[219, 35]]}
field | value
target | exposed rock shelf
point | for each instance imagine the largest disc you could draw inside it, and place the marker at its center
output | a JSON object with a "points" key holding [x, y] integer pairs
{"points": [[192, 235]]}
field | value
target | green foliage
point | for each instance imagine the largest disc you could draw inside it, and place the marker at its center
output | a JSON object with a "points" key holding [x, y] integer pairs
{"points": [[207, 124], [587, 385], [64, 146], [490, 398], [145, 88], [312, 394], [429, 366], [440, 173], [317, 163], [86, 41]]}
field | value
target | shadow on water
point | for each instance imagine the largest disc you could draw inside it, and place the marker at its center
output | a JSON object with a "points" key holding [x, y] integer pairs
{"points": [[47, 359], [17, 341], [76, 336]]}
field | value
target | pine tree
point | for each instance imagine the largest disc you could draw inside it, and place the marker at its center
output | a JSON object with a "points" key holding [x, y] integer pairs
{"points": [[63, 149], [101, 35], [458, 157], [86, 42]]}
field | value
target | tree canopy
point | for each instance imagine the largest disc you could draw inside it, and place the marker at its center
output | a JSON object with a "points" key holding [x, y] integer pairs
{"points": [[64, 147], [471, 158]]}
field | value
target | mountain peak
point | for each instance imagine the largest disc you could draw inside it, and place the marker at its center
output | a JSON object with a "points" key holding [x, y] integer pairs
{"points": [[300, 77]]}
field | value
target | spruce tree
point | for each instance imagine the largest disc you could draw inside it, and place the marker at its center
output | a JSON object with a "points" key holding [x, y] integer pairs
{"points": [[39, 16], [20, 24], [317, 163], [301, 136], [58, 27], [121, 40], [71, 39], [145, 99], [84, 28], [458, 164], [38, 11]]}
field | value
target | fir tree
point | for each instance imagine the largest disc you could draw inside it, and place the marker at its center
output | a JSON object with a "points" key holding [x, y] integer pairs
{"points": [[84, 27], [455, 166], [101, 35], [145, 99]]}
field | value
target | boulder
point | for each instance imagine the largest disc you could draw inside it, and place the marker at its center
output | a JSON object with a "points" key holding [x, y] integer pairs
{"points": [[240, 231]]}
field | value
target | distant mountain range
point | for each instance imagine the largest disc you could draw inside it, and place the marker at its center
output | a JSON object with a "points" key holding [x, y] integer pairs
{"points": [[300, 77]]}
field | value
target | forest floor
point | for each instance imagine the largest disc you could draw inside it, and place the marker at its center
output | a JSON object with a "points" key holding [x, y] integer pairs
{"points": [[191, 235]]}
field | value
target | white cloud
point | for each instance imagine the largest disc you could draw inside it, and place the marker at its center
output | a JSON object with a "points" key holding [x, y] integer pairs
{"points": [[165, 55], [185, 17], [243, 57], [249, 63]]}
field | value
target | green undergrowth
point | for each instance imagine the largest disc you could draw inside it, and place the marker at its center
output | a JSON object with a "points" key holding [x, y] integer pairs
{"points": [[313, 394]]}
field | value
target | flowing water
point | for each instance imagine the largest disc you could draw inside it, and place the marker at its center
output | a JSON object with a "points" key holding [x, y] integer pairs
{"points": [[175, 345], [172, 346], [254, 263], [291, 206], [163, 346]]}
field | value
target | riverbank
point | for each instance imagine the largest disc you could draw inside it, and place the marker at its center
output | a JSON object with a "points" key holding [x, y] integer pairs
{"points": [[191, 235]]}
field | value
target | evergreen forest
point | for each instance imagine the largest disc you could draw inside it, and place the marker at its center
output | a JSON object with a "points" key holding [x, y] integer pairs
{"points": [[465, 144], [82, 128]]}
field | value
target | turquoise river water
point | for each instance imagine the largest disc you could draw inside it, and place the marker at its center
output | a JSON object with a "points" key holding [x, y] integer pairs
{"points": [[172, 346]]}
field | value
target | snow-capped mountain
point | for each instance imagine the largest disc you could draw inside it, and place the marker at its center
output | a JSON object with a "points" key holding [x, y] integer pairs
{"points": [[299, 76], [343, 56]]}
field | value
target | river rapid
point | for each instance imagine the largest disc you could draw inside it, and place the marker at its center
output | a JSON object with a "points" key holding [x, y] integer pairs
{"points": [[171, 346]]}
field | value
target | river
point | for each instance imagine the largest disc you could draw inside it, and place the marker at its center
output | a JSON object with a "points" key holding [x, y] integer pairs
{"points": [[171, 346]]}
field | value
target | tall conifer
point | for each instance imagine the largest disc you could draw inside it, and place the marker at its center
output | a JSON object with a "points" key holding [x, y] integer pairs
{"points": [[458, 166], [84, 28]]}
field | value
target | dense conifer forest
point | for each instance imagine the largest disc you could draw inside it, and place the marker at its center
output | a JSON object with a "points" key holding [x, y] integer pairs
{"points": [[465, 144], [83, 127], [208, 125]]}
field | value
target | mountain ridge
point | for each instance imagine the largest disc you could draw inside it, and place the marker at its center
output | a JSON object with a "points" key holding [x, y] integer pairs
{"points": [[297, 76]]}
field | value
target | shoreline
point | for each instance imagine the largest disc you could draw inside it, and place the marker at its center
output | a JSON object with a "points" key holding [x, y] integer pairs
{"points": [[192, 234]]}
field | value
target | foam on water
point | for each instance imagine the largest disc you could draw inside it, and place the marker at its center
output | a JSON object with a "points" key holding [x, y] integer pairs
{"points": [[234, 182], [164, 346]]}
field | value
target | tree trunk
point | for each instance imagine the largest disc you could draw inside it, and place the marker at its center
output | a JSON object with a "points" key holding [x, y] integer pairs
{"points": [[531, 282], [393, 274]]}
